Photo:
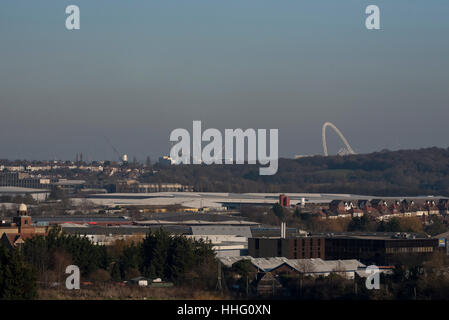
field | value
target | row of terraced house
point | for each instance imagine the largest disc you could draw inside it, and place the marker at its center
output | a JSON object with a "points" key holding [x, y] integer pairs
{"points": [[384, 209]]}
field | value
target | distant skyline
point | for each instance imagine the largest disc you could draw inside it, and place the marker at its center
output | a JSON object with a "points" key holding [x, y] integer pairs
{"points": [[136, 70]]}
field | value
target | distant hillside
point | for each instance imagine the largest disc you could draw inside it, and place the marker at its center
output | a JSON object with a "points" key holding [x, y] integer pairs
{"points": [[386, 173]]}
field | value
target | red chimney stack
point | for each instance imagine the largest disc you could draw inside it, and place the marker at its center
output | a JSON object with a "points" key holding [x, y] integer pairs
{"points": [[284, 200]]}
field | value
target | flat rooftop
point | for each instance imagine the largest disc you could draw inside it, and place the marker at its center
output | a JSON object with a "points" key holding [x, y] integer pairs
{"points": [[373, 235], [222, 199], [14, 190]]}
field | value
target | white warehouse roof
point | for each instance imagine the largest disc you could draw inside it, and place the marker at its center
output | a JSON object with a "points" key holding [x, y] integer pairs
{"points": [[302, 265]]}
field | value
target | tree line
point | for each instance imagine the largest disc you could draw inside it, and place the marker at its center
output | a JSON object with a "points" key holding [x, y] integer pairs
{"points": [[302, 219], [42, 261], [385, 173], [173, 258]]}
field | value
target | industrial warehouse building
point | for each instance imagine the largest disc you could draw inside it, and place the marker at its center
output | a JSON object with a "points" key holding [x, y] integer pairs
{"points": [[307, 267], [36, 194], [381, 249], [370, 248], [292, 248]]}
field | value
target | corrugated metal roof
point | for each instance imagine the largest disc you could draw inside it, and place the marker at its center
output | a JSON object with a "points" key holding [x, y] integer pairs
{"points": [[243, 231], [22, 190], [301, 265]]}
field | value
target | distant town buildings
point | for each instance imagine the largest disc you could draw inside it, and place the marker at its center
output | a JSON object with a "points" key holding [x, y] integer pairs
{"points": [[26, 180], [384, 209], [133, 186], [23, 180], [36, 194], [46, 176]]}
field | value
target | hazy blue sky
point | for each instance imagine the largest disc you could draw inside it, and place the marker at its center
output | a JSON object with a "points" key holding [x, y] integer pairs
{"points": [[138, 69]]}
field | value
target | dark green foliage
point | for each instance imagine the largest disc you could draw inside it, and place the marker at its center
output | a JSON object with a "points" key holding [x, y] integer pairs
{"points": [[359, 224], [393, 225], [243, 267], [56, 193], [181, 258], [172, 258], [297, 213], [115, 272], [278, 211], [130, 261], [436, 226], [17, 279], [160, 255], [88, 257], [155, 249]]}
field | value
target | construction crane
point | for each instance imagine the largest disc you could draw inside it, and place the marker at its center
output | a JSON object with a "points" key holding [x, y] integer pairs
{"points": [[113, 148]]}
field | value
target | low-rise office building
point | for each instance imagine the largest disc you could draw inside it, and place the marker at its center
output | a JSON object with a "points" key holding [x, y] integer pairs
{"points": [[380, 248], [370, 248], [292, 248]]}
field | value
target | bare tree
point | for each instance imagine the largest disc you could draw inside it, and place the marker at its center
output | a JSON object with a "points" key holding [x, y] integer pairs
{"points": [[61, 260], [305, 266], [4, 211], [339, 269]]}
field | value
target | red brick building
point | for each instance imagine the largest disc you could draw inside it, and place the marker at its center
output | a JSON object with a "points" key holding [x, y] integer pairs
{"points": [[14, 234]]}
